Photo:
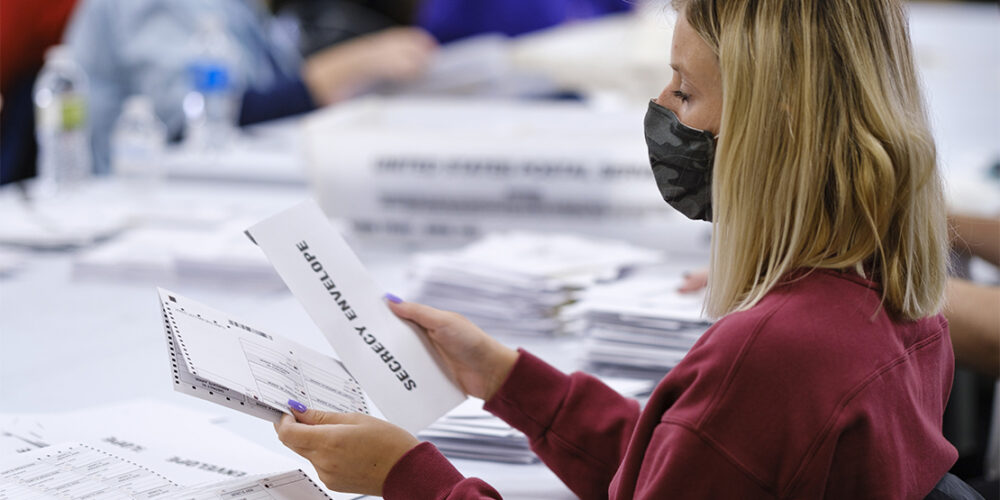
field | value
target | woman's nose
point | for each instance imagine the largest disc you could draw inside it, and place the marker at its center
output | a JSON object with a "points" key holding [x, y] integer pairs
{"points": [[664, 99]]}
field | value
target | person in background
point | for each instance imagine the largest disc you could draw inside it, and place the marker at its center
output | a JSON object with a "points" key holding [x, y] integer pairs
{"points": [[797, 129], [322, 23], [972, 311], [147, 46], [450, 20], [26, 32], [972, 419]]}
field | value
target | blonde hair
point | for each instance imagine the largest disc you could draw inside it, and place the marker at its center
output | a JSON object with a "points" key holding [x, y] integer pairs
{"points": [[825, 156]]}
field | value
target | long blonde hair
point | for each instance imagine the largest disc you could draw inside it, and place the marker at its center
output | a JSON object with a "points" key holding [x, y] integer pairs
{"points": [[825, 156]]}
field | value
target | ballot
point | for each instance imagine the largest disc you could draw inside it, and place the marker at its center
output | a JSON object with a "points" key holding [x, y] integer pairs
{"points": [[392, 359], [71, 471], [228, 361]]}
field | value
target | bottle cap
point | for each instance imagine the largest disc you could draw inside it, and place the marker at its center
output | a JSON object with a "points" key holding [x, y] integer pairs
{"points": [[58, 53], [138, 104], [209, 77]]}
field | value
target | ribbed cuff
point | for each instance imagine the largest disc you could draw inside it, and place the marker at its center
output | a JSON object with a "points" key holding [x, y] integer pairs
{"points": [[531, 396], [423, 472]]}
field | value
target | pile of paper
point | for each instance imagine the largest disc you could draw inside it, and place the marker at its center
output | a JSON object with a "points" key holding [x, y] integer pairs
{"points": [[203, 452], [77, 471], [471, 432], [220, 255], [11, 262], [184, 450], [640, 324], [515, 283], [468, 431], [56, 224]]}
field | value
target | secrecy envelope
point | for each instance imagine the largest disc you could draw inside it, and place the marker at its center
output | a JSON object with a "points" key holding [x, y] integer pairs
{"points": [[391, 359]]}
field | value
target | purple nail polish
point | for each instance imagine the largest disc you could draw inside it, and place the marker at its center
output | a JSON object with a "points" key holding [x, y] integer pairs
{"points": [[392, 298], [297, 406]]}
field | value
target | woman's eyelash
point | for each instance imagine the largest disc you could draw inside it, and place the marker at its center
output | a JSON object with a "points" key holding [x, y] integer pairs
{"points": [[681, 95]]}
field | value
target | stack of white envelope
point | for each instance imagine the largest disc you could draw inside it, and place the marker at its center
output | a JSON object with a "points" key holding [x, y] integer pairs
{"points": [[639, 325], [515, 283], [220, 255], [468, 431], [471, 432]]}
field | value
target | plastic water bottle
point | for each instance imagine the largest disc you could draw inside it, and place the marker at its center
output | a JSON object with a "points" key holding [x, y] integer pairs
{"points": [[60, 94], [138, 143], [210, 105]]}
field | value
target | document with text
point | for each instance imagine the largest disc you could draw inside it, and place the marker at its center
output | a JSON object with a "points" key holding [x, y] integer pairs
{"points": [[392, 359], [227, 361], [76, 471]]}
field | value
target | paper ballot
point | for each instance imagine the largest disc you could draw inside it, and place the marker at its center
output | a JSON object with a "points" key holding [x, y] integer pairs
{"points": [[390, 358], [72, 471], [227, 361]]}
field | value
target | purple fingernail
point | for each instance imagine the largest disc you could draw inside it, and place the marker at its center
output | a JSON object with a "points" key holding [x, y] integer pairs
{"points": [[392, 298], [297, 406]]}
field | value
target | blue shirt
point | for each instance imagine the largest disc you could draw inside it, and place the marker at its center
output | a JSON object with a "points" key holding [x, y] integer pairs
{"points": [[450, 20]]}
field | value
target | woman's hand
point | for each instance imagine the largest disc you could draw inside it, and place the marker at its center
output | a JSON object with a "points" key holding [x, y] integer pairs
{"points": [[479, 363], [694, 281], [351, 452]]}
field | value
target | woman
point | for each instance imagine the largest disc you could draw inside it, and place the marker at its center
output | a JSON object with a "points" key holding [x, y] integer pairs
{"points": [[796, 126]]}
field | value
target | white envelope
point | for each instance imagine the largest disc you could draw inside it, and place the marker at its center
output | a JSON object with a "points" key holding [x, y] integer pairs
{"points": [[391, 359]]}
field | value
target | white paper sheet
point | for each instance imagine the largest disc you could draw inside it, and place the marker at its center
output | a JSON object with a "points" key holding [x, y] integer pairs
{"points": [[291, 485], [194, 450], [392, 360], [71, 471], [183, 445], [11, 444], [227, 361], [76, 471]]}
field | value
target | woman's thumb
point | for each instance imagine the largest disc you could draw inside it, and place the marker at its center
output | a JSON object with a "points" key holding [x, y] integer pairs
{"points": [[425, 316], [315, 417]]}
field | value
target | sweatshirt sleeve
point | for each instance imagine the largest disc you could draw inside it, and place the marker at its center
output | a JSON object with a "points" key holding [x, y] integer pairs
{"points": [[424, 472], [577, 425]]}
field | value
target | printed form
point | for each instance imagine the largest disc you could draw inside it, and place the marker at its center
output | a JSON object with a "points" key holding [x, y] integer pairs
{"points": [[78, 471], [227, 361], [72, 471]]}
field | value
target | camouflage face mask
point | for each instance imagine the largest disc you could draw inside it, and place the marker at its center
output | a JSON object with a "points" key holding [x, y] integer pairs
{"points": [[681, 158]]}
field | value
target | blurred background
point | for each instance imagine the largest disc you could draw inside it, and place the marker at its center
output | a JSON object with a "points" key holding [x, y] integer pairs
{"points": [[451, 141]]}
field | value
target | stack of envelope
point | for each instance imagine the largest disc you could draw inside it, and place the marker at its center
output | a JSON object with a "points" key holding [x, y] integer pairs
{"points": [[220, 255], [468, 431], [471, 432], [639, 325], [515, 283]]}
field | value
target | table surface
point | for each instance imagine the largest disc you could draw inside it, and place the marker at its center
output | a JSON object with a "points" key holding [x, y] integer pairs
{"points": [[68, 344]]}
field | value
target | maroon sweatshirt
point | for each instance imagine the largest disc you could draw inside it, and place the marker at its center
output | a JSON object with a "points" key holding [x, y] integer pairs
{"points": [[813, 393]]}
